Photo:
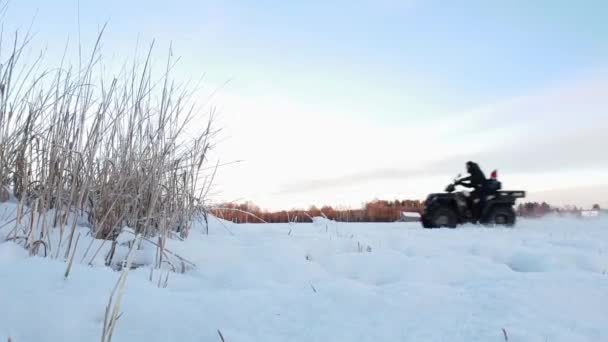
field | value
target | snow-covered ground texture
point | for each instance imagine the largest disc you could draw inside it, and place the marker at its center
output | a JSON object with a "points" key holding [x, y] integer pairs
{"points": [[544, 280]]}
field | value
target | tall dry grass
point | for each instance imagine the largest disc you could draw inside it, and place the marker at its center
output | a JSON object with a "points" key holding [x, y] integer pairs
{"points": [[111, 150]]}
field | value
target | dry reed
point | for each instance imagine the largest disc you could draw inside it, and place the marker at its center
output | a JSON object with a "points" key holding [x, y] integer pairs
{"points": [[113, 151]]}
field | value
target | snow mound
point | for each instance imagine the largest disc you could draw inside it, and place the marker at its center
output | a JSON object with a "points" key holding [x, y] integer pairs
{"points": [[321, 221], [11, 252]]}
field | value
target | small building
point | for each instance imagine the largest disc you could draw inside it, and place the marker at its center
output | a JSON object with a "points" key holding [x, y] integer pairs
{"points": [[590, 213], [408, 216]]}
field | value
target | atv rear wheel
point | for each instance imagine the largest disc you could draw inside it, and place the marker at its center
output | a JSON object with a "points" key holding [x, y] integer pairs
{"points": [[443, 217], [502, 216]]}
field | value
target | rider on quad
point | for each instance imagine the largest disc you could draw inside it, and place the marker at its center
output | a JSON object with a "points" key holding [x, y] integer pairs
{"points": [[476, 180]]}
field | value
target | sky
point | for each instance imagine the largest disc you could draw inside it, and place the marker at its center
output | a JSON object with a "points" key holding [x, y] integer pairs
{"points": [[341, 102]]}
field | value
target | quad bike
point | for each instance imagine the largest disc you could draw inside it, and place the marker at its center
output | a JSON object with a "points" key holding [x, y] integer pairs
{"points": [[452, 207]]}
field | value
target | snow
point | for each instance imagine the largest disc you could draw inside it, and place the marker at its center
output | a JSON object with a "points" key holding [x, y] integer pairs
{"points": [[544, 280]]}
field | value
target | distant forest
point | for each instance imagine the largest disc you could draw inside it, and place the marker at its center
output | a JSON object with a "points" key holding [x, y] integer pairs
{"points": [[374, 211]]}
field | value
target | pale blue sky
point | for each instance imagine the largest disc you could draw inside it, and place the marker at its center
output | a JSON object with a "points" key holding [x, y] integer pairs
{"points": [[451, 80]]}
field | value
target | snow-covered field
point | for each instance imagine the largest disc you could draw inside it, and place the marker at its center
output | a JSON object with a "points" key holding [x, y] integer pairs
{"points": [[544, 280]]}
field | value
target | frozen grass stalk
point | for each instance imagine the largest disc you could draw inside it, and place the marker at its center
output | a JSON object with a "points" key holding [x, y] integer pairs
{"points": [[67, 271], [113, 308]]}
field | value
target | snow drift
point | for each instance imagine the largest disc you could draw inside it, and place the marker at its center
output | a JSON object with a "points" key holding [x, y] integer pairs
{"points": [[544, 280]]}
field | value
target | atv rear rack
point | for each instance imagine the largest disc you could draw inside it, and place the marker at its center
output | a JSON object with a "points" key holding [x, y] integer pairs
{"points": [[512, 193]]}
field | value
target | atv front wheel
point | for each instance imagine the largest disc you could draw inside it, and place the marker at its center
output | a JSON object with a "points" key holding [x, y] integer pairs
{"points": [[443, 217], [426, 223]]}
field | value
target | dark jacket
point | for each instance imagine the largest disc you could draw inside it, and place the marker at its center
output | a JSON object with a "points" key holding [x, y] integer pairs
{"points": [[476, 179]]}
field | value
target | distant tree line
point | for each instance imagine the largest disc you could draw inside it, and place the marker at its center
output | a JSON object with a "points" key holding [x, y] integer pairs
{"points": [[374, 211]]}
